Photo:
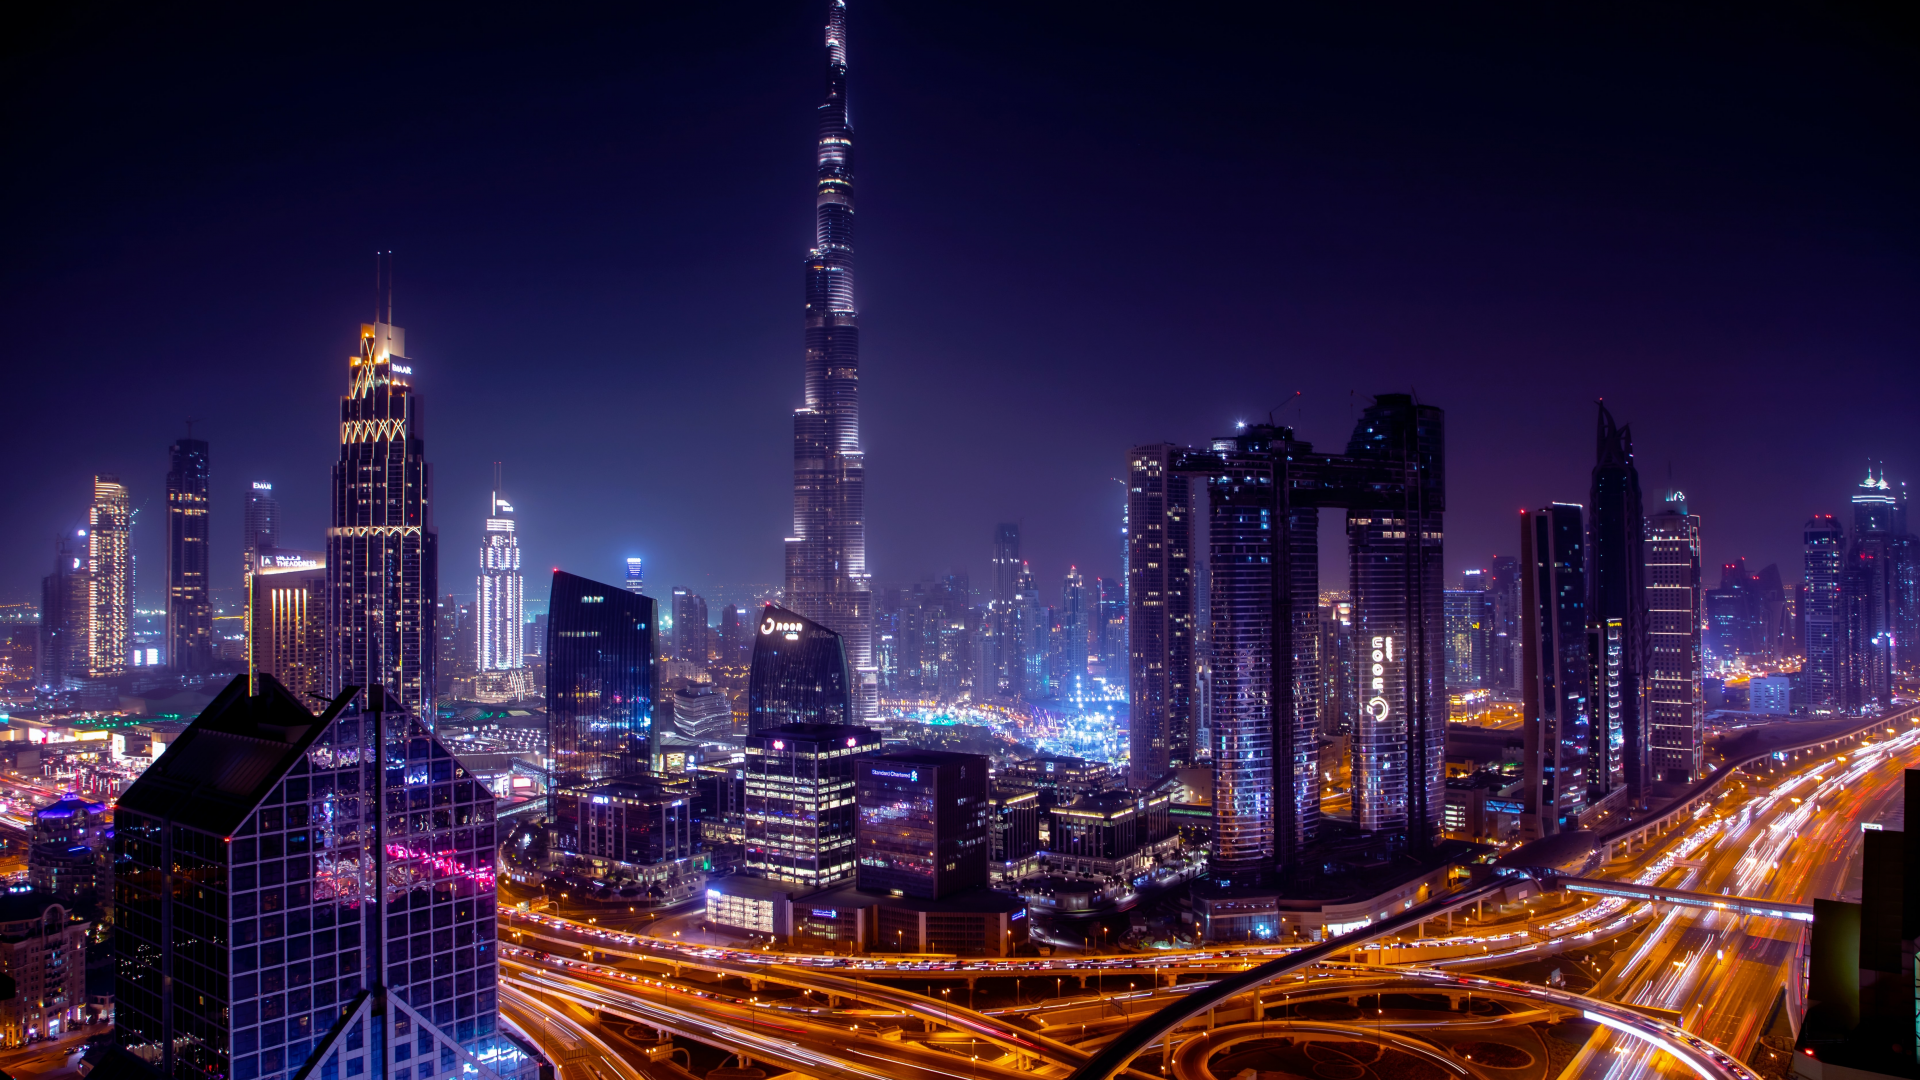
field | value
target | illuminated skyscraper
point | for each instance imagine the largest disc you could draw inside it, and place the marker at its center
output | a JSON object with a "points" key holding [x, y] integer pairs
{"points": [[1869, 594], [500, 607], [66, 613], [600, 649], [189, 608], [109, 578], [827, 579], [260, 521], [1557, 730], [1076, 628], [1156, 635], [1825, 672], [636, 576], [1616, 619], [287, 619], [799, 673], [383, 557], [1675, 712]]}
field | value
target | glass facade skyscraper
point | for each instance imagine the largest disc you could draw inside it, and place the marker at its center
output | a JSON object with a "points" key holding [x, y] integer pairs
{"points": [[383, 559], [600, 650], [1158, 630], [1557, 726], [189, 605], [798, 785], [259, 522], [1675, 711], [922, 822], [1824, 674], [308, 894], [1617, 618], [827, 579], [799, 673]]}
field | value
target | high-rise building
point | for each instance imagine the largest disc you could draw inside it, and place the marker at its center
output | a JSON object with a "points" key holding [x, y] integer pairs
{"points": [[1159, 624], [1617, 755], [1006, 560], [1869, 594], [259, 522], [109, 578], [1110, 628], [1004, 646], [322, 928], [1033, 625], [599, 679], [799, 674], [383, 556], [287, 619], [1503, 665], [1824, 675], [1076, 633], [1557, 730], [691, 635], [1469, 622], [1675, 712], [922, 822], [500, 608], [66, 615], [189, 606], [827, 579], [636, 576], [800, 815], [735, 638]]}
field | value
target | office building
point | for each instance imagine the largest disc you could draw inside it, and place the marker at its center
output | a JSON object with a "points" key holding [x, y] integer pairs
{"points": [[600, 650], [1469, 624], [799, 801], [1770, 695], [68, 851], [189, 605], [109, 578], [383, 556], [66, 615], [1014, 827], [1159, 623], [921, 827], [1870, 594], [1503, 664], [1557, 731], [302, 944], [1617, 755], [691, 634], [287, 619], [259, 521], [1075, 621], [800, 674], [500, 609], [1674, 709], [1825, 673], [43, 953], [1113, 834], [636, 576], [624, 826], [826, 557], [1110, 627]]}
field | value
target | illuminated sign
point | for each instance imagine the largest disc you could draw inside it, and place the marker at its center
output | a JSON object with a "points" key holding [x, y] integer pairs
{"points": [[790, 629], [402, 369], [1382, 656], [258, 486], [893, 774], [1021, 914], [826, 913], [1505, 806], [593, 599]]}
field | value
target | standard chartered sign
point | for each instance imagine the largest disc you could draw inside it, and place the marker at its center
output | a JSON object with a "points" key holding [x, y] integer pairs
{"points": [[1383, 658]]}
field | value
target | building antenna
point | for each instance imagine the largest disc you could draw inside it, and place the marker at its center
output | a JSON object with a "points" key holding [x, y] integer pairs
{"points": [[389, 286], [190, 422], [496, 485]]}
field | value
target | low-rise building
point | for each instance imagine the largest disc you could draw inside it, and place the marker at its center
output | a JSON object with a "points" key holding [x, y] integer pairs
{"points": [[43, 950]]}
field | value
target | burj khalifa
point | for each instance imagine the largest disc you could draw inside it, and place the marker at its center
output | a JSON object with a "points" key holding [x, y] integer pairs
{"points": [[827, 578]]}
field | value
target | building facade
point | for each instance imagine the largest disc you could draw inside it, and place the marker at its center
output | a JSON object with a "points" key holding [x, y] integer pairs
{"points": [[66, 615], [500, 608], [1674, 709], [189, 604], [1160, 613], [922, 823], [800, 673], [799, 792], [383, 560], [287, 881], [43, 950], [287, 619], [1558, 680], [1618, 745], [826, 557], [1825, 674], [109, 578], [600, 649], [259, 521]]}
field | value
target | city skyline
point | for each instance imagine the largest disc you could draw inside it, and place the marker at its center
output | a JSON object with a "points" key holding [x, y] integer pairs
{"points": [[1751, 493]]}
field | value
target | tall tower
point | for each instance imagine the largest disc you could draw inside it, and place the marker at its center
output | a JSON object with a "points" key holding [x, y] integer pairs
{"points": [[189, 608], [827, 578], [1824, 673], [109, 578], [1558, 677], [1159, 624], [1616, 618], [1674, 707], [260, 523], [501, 653], [382, 553]]}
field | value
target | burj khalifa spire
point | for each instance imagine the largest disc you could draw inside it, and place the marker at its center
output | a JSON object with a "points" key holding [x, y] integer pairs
{"points": [[827, 578]]}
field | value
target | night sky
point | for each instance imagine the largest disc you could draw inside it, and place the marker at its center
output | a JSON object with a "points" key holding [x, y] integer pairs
{"points": [[1080, 228]]}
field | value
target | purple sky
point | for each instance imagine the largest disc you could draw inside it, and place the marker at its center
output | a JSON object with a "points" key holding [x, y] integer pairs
{"points": [[1075, 234]]}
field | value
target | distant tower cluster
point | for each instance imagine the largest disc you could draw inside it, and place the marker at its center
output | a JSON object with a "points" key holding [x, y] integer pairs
{"points": [[1859, 619]]}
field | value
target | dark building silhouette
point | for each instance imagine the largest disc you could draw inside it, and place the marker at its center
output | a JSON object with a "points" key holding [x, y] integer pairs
{"points": [[259, 522], [1557, 723], [1825, 674], [275, 916], [1617, 755], [64, 612], [1160, 625], [383, 556], [600, 649], [799, 673], [189, 605], [692, 637], [922, 825]]}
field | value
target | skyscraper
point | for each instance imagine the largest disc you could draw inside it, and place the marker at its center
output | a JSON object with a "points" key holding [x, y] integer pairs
{"points": [[798, 788], [799, 673], [1616, 618], [1076, 631], [383, 556], [1159, 624], [827, 579], [1824, 674], [1503, 666], [636, 576], [66, 614], [1005, 645], [1675, 712], [287, 619], [600, 649], [501, 654], [1869, 590], [260, 522], [1469, 620], [109, 578], [321, 928], [1556, 730], [691, 633], [189, 607]]}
